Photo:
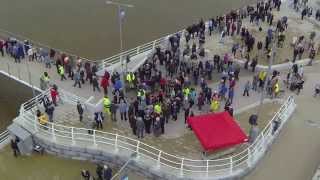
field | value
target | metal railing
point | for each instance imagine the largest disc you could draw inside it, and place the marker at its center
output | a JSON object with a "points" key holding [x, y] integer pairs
{"points": [[137, 50], [4, 136], [181, 166]]}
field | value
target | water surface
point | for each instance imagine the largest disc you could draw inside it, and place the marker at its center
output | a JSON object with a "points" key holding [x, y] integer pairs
{"points": [[89, 27]]}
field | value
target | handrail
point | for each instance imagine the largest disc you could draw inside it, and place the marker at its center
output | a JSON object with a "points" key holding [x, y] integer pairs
{"points": [[4, 136], [159, 157]]}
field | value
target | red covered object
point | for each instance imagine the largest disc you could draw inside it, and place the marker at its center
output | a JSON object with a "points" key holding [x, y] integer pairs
{"points": [[217, 131]]}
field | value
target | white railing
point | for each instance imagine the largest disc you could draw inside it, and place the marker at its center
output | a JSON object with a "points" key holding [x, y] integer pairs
{"points": [[136, 51], [182, 166], [4, 136]]}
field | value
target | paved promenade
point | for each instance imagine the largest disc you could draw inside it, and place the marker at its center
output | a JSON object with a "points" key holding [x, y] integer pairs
{"points": [[295, 154]]}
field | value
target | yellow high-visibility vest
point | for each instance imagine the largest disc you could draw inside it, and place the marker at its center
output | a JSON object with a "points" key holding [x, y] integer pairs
{"points": [[61, 70], [215, 104], [276, 88], [43, 119], [186, 91], [129, 77], [157, 108], [106, 102]]}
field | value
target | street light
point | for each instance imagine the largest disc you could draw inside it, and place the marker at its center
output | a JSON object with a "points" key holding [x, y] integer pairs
{"points": [[121, 14], [269, 72]]}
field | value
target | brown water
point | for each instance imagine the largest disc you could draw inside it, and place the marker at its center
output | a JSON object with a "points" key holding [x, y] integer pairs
{"points": [[12, 94], [89, 27]]}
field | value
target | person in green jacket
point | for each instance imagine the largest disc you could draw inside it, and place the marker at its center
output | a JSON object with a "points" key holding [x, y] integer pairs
{"points": [[61, 73]]}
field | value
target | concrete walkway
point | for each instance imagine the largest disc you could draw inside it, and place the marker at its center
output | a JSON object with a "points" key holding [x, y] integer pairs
{"points": [[295, 154]]}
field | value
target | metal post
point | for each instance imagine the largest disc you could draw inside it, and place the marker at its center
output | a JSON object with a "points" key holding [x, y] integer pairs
{"points": [[94, 138], [116, 144], [231, 165], [249, 157], [138, 50], [207, 170], [30, 81], [181, 168], [53, 133], [72, 136], [154, 45], [262, 140], [271, 60], [119, 6], [35, 123], [121, 42], [137, 150], [159, 160]]}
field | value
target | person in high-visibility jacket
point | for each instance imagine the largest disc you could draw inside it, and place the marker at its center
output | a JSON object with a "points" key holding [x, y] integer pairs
{"points": [[61, 73], [262, 76], [106, 105], [130, 79], [276, 89], [215, 105], [141, 94], [158, 109], [186, 92], [44, 81], [42, 118]]}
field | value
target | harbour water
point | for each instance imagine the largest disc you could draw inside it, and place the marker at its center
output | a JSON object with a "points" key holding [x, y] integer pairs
{"points": [[12, 94], [90, 28]]}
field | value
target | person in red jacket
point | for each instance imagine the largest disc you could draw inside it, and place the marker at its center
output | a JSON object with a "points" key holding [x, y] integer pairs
{"points": [[163, 83], [105, 82], [54, 94]]}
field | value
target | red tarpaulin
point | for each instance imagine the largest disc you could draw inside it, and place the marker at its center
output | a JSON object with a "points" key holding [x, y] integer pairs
{"points": [[217, 131]]}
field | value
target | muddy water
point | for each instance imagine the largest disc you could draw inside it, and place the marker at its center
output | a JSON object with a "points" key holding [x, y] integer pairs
{"points": [[12, 94], [89, 27]]}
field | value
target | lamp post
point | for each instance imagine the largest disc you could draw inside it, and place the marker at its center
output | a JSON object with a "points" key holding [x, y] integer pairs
{"points": [[121, 14], [269, 72]]}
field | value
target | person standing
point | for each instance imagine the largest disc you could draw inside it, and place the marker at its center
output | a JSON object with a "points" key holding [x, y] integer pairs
{"points": [[147, 120], [107, 173], [98, 117], [123, 108], [49, 110], [157, 127], [77, 79], [80, 110], [61, 72], [54, 94], [231, 94], [246, 89], [140, 127], [106, 105], [95, 83], [113, 110], [15, 148], [44, 81], [1, 47], [104, 83]]}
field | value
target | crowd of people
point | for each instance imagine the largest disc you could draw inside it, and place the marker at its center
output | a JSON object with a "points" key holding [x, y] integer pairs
{"points": [[174, 83]]}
